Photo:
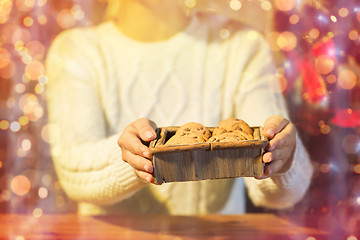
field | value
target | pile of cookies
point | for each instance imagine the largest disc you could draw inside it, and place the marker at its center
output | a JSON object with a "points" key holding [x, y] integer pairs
{"points": [[229, 130]]}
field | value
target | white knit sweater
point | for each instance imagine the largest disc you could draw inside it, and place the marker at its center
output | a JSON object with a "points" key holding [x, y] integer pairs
{"points": [[100, 81]]}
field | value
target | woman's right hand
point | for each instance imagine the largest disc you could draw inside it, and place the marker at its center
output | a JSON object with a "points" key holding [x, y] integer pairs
{"points": [[134, 151]]}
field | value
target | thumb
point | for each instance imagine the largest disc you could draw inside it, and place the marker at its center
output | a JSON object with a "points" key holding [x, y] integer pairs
{"points": [[273, 125], [145, 129]]}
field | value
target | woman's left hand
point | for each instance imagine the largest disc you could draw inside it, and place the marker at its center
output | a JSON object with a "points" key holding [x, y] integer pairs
{"points": [[282, 141]]}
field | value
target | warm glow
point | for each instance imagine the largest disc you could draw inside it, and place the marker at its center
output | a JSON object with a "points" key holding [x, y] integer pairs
{"points": [[343, 12], [34, 70], [357, 168], [41, 3], [294, 19], [325, 129], [324, 168], [224, 33], [37, 212], [287, 41], [20, 185], [266, 5], [272, 38], [65, 19], [331, 78], [4, 58], [26, 144], [8, 70], [23, 120], [353, 35], [20, 88], [42, 19], [314, 33], [24, 5], [235, 5], [28, 21], [36, 50], [347, 79], [324, 64], [4, 125], [285, 5], [43, 192]]}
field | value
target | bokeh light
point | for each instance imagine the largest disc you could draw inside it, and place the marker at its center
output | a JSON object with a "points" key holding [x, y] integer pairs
{"points": [[20, 185], [285, 5], [324, 64], [351, 143], [37, 212], [347, 79], [235, 5], [287, 41], [294, 19]]}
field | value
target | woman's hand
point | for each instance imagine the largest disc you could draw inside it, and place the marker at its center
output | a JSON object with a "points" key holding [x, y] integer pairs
{"points": [[280, 150], [134, 151]]}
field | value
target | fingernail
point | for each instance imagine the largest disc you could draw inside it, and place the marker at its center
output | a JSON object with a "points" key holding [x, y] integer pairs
{"points": [[148, 179], [148, 168], [270, 132], [147, 154], [267, 159], [149, 135]]}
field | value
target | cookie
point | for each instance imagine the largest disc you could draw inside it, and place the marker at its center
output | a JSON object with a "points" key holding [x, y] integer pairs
{"points": [[233, 124], [246, 135], [194, 127], [185, 138], [218, 131], [226, 137]]}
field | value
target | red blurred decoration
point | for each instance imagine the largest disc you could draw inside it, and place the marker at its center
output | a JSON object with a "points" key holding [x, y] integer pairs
{"points": [[347, 118], [314, 89]]}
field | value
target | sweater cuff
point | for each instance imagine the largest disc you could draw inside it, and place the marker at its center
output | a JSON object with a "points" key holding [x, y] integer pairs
{"points": [[124, 182]]}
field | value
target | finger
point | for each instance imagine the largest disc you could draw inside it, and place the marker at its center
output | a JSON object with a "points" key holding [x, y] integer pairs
{"points": [[137, 162], [145, 129], [277, 154], [130, 142], [147, 177], [287, 137], [273, 167], [274, 125]]}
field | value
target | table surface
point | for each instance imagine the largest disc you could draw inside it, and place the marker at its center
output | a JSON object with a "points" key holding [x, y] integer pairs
{"points": [[72, 226]]}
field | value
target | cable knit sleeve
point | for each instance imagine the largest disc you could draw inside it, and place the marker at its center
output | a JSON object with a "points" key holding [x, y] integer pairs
{"points": [[87, 161], [259, 96]]}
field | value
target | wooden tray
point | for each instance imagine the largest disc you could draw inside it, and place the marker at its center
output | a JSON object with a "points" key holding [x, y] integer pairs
{"points": [[206, 160]]}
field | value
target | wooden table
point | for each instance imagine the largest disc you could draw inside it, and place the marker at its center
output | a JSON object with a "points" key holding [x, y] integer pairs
{"points": [[247, 226]]}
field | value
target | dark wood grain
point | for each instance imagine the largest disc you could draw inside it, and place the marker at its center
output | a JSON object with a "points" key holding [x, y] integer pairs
{"points": [[248, 226]]}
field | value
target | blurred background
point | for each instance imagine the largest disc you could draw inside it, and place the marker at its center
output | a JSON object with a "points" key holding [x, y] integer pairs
{"points": [[316, 45]]}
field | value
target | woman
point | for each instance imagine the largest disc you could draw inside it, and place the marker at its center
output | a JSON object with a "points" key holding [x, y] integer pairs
{"points": [[155, 61]]}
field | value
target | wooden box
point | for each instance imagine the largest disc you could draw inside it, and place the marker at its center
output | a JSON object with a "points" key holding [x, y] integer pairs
{"points": [[207, 160]]}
